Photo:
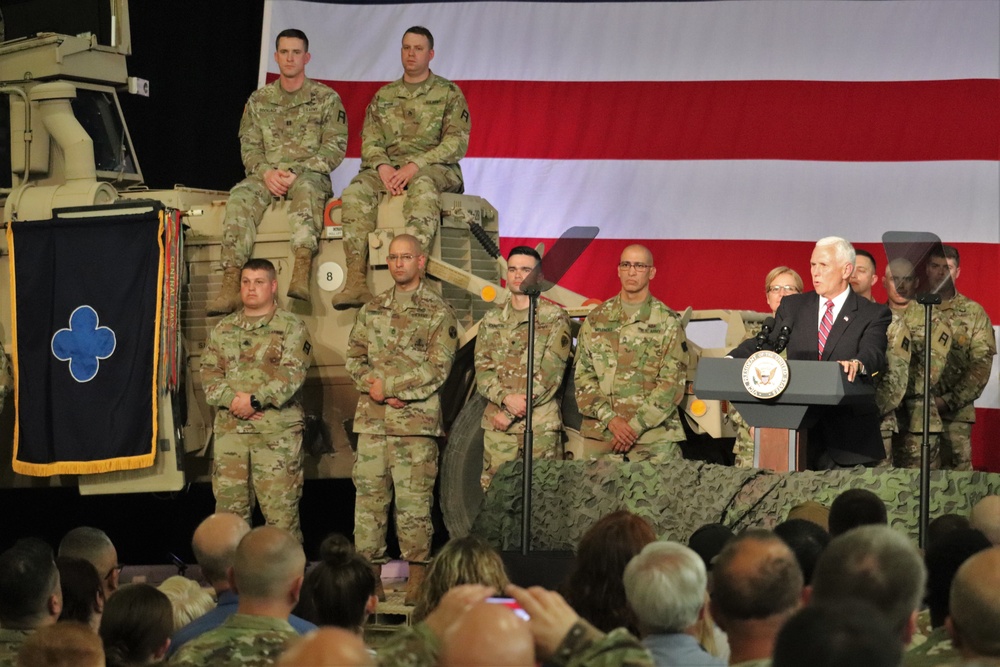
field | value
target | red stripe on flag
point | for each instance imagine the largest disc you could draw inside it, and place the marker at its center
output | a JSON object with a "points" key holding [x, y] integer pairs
{"points": [[715, 120], [985, 453], [730, 273]]}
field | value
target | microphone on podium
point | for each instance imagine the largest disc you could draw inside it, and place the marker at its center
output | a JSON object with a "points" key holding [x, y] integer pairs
{"points": [[782, 341], [765, 333]]}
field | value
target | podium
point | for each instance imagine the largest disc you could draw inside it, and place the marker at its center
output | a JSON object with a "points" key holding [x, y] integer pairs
{"points": [[780, 422]]}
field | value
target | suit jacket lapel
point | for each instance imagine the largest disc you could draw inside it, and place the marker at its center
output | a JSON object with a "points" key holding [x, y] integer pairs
{"points": [[840, 324]]}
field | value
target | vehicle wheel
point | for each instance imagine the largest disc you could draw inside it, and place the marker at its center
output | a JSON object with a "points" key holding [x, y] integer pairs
{"points": [[461, 468]]}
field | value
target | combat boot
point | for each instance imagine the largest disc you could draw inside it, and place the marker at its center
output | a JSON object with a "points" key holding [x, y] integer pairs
{"points": [[298, 288], [414, 583], [228, 298], [355, 293], [379, 588]]}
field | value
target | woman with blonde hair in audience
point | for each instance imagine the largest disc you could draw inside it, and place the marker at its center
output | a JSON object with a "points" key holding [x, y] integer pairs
{"points": [[594, 587], [136, 627], [465, 560], [187, 598]]}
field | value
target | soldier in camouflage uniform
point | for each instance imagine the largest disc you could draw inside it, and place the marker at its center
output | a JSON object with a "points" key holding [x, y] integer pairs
{"points": [[416, 130], [268, 570], [631, 366], [30, 594], [501, 363], [6, 380], [252, 370], [292, 135], [779, 283], [399, 354], [963, 345], [892, 386]]}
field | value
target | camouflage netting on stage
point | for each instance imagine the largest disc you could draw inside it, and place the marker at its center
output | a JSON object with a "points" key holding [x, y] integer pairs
{"points": [[569, 496]]}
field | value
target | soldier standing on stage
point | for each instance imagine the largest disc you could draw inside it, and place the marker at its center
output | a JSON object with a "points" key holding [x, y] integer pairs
{"points": [[501, 365], [963, 345], [399, 354], [892, 387], [631, 369], [252, 370]]}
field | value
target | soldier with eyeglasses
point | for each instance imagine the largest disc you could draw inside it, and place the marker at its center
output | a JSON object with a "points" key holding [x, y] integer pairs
{"points": [[631, 367]]}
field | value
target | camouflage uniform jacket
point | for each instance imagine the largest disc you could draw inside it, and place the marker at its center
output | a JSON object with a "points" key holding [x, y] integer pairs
{"points": [[502, 360], [583, 646], [301, 131], [936, 651], [962, 352], [429, 125], [635, 368], [10, 644], [242, 639], [892, 386], [267, 357], [411, 346]]}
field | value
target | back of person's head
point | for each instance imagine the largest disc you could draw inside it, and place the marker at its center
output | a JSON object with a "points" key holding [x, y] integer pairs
{"points": [[665, 587], [985, 517], [327, 647], [940, 526], [339, 590], [136, 626], [82, 591], [755, 577], [30, 594], [269, 565], [214, 545], [65, 644], [187, 598], [94, 545], [807, 540], [838, 634], [877, 565], [943, 558], [594, 586], [464, 560], [487, 635], [975, 606], [708, 541], [856, 507]]}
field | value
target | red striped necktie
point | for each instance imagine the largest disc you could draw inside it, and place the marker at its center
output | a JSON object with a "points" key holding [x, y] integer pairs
{"points": [[825, 326]]}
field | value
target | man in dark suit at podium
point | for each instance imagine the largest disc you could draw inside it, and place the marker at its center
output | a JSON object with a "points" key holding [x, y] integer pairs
{"points": [[833, 323]]}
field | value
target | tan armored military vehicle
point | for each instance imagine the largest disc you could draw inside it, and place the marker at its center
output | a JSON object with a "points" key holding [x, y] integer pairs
{"points": [[70, 148]]}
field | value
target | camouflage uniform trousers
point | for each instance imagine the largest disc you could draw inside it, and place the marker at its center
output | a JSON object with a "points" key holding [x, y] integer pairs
{"points": [[652, 446], [247, 202], [951, 449], [743, 447], [407, 464], [498, 448], [266, 467], [421, 209]]}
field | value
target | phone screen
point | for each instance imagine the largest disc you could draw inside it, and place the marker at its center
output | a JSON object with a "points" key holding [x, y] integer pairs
{"points": [[512, 604]]}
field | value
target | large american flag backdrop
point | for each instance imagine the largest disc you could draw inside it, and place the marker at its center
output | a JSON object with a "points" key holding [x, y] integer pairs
{"points": [[727, 136]]}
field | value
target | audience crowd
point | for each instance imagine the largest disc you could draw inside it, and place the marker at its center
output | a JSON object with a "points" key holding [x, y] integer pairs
{"points": [[822, 588]]}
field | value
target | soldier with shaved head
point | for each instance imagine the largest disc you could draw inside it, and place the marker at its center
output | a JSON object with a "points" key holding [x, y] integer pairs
{"points": [[399, 354], [93, 545], [631, 367], [267, 572], [974, 624]]}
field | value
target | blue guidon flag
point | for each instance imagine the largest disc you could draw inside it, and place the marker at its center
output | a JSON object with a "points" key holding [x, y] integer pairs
{"points": [[86, 294]]}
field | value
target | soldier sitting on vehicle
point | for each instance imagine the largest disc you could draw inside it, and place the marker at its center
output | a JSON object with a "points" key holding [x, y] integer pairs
{"points": [[416, 130], [292, 135]]}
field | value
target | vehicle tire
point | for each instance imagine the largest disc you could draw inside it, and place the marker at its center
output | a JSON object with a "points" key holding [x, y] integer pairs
{"points": [[461, 468]]}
